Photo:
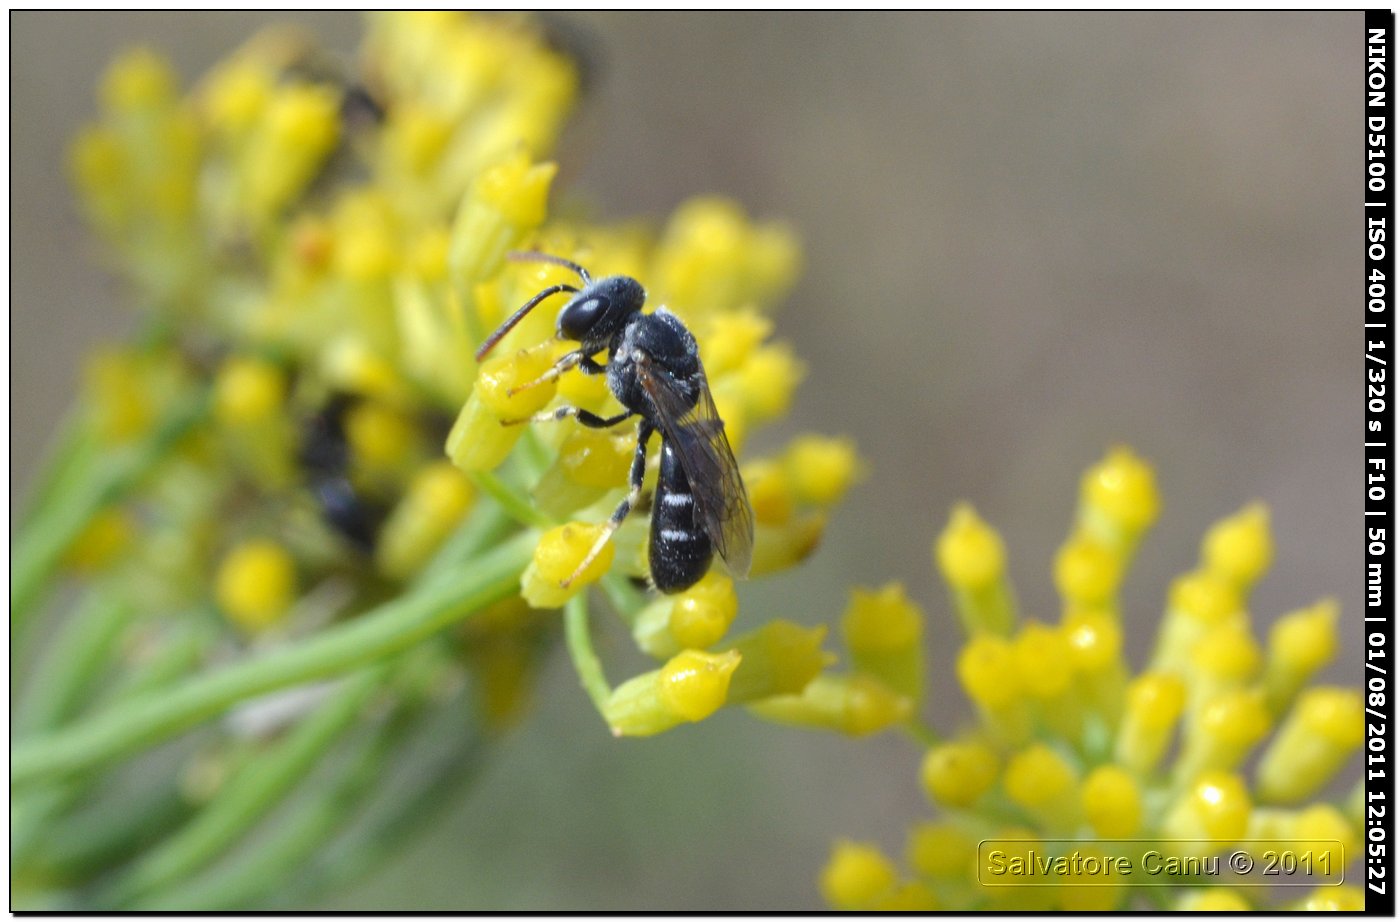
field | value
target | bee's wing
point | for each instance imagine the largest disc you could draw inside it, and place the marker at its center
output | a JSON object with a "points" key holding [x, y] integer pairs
{"points": [[696, 435]]}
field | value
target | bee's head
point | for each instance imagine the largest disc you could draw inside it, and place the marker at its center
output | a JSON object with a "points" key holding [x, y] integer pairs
{"points": [[601, 309]]}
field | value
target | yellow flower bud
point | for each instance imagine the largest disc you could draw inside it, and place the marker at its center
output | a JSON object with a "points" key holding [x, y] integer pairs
{"points": [[1300, 644], [856, 876], [1215, 808], [969, 552], [1325, 825], [236, 97], [1111, 799], [730, 337], [690, 687], [856, 704], [970, 555], [138, 80], [381, 439], [599, 458], [436, 501], [821, 468], [557, 556], [780, 658], [502, 373], [941, 850], [248, 390], [987, 671], [701, 614], [1118, 500], [1196, 603], [1095, 641], [770, 492], [1213, 899], [256, 584], [957, 774], [778, 547], [478, 441], [1155, 701], [517, 189], [882, 629], [1043, 660], [1324, 728], [1087, 572], [1040, 780], [1221, 734], [768, 380], [1238, 549]]}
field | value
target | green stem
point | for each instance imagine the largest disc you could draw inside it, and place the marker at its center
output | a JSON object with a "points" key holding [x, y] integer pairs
{"points": [[580, 644], [517, 505], [357, 855], [303, 832], [74, 660], [626, 598], [65, 462], [129, 726], [487, 525], [251, 793], [42, 542], [921, 732]]}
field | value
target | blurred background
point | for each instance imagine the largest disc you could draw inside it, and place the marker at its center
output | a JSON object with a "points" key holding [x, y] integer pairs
{"points": [[1029, 237]]}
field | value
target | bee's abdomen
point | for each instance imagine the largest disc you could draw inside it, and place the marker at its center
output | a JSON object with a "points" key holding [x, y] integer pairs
{"points": [[680, 547]]}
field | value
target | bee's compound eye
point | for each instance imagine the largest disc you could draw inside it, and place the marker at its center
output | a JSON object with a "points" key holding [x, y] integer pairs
{"points": [[579, 316]]}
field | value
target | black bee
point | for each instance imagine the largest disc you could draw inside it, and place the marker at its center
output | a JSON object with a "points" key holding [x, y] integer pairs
{"points": [[325, 459], [653, 369]]}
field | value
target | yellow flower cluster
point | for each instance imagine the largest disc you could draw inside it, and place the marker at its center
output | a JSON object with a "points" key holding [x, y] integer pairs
{"points": [[1070, 748], [325, 251]]}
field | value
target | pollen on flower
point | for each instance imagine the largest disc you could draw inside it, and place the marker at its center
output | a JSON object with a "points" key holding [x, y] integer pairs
{"points": [[256, 584]]}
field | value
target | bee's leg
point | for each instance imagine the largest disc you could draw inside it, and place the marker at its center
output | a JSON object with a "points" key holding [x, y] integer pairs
{"points": [[634, 493], [566, 361], [591, 420]]}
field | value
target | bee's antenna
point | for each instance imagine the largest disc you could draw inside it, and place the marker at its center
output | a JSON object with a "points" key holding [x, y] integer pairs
{"points": [[530, 256], [519, 315]]}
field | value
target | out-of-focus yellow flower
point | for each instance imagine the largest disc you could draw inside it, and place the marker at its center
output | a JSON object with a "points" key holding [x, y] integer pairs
{"points": [[1324, 728], [884, 632], [957, 774], [856, 704], [1300, 644], [1239, 549], [256, 584], [857, 875]]}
